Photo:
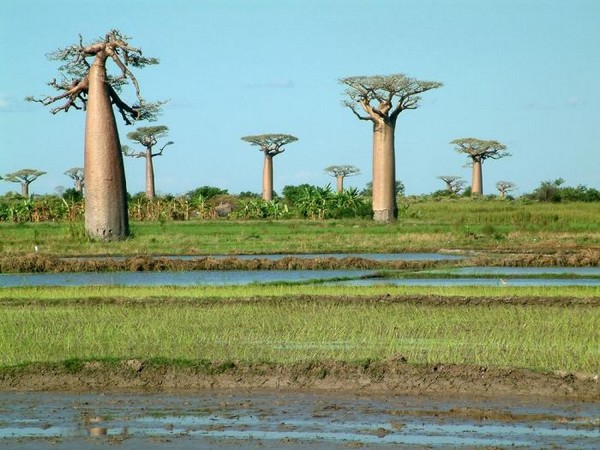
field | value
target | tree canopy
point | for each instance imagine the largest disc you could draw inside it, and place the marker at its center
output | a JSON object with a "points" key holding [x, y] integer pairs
{"points": [[24, 176], [345, 170], [148, 137], [270, 144], [480, 150], [384, 96], [74, 82]]}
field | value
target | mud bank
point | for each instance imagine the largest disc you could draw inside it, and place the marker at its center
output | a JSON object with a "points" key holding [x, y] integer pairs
{"points": [[395, 376]]}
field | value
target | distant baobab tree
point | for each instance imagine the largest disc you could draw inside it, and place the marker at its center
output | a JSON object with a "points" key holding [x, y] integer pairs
{"points": [[76, 174], [504, 187], [271, 145], [454, 183], [383, 98], [341, 172], [478, 151], [148, 137], [89, 86], [25, 177]]}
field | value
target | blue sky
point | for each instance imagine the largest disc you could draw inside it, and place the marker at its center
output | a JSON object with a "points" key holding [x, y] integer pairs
{"points": [[523, 72]]}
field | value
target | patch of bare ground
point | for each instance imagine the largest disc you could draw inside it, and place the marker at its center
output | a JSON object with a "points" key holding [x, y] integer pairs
{"points": [[393, 376]]}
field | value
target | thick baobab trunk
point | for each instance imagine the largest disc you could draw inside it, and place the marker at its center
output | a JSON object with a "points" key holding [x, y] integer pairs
{"points": [[106, 193], [340, 183], [25, 190], [150, 192], [384, 173], [477, 186], [267, 185]]}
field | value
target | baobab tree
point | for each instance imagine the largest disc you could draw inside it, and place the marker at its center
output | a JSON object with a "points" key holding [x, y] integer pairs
{"points": [[148, 137], [504, 187], [77, 175], [90, 86], [453, 183], [271, 145], [478, 151], [25, 177], [341, 172], [383, 98]]}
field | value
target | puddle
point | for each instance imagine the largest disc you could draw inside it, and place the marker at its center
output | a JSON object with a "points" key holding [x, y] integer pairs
{"points": [[230, 420]]}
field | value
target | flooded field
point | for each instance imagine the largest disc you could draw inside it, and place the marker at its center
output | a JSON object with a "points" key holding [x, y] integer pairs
{"points": [[475, 276], [225, 419]]}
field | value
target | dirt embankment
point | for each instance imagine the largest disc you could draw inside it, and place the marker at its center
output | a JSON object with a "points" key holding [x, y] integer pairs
{"points": [[394, 376], [36, 263]]}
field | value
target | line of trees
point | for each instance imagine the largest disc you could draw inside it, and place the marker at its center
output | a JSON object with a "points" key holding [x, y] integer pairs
{"points": [[87, 83], [302, 201]]}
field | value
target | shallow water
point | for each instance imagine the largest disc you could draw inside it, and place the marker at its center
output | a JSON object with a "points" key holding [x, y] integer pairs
{"points": [[265, 419], [244, 277], [183, 278]]}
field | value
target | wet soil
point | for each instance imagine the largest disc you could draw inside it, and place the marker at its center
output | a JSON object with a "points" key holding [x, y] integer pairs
{"points": [[394, 376], [232, 419], [38, 263]]}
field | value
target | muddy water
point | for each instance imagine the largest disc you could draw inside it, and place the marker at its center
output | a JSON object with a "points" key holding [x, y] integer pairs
{"points": [[266, 419]]}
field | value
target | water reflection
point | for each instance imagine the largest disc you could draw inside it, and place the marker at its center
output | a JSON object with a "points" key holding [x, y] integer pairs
{"points": [[233, 419]]}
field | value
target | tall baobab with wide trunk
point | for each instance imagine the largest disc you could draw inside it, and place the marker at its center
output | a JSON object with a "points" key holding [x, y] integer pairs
{"points": [[341, 172], [271, 145], [383, 98], [76, 174], [148, 137], [478, 151], [25, 177], [92, 88]]}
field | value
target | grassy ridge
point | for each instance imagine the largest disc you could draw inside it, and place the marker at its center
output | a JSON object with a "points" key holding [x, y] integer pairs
{"points": [[535, 337], [61, 294], [423, 226], [284, 324]]}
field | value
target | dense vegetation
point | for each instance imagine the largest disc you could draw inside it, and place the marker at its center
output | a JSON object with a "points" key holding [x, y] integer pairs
{"points": [[304, 201]]}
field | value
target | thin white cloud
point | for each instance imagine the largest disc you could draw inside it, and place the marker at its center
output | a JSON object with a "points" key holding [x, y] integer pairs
{"points": [[4, 102]]}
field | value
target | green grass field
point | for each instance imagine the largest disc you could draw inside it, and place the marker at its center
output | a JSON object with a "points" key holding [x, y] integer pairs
{"points": [[291, 323], [422, 226], [288, 324]]}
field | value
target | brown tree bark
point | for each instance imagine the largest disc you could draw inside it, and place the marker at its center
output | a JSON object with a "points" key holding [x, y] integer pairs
{"points": [[267, 184], [25, 190], [106, 200], [384, 172], [477, 185], [340, 183], [150, 189]]}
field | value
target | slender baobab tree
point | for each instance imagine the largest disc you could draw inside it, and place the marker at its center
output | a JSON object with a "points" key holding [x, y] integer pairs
{"points": [[90, 86], [271, 145], [478, 151], [76, 174], [148, 137], [453, 183], [383, 98], [504, 187], [341, 172], [25, 177]]}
